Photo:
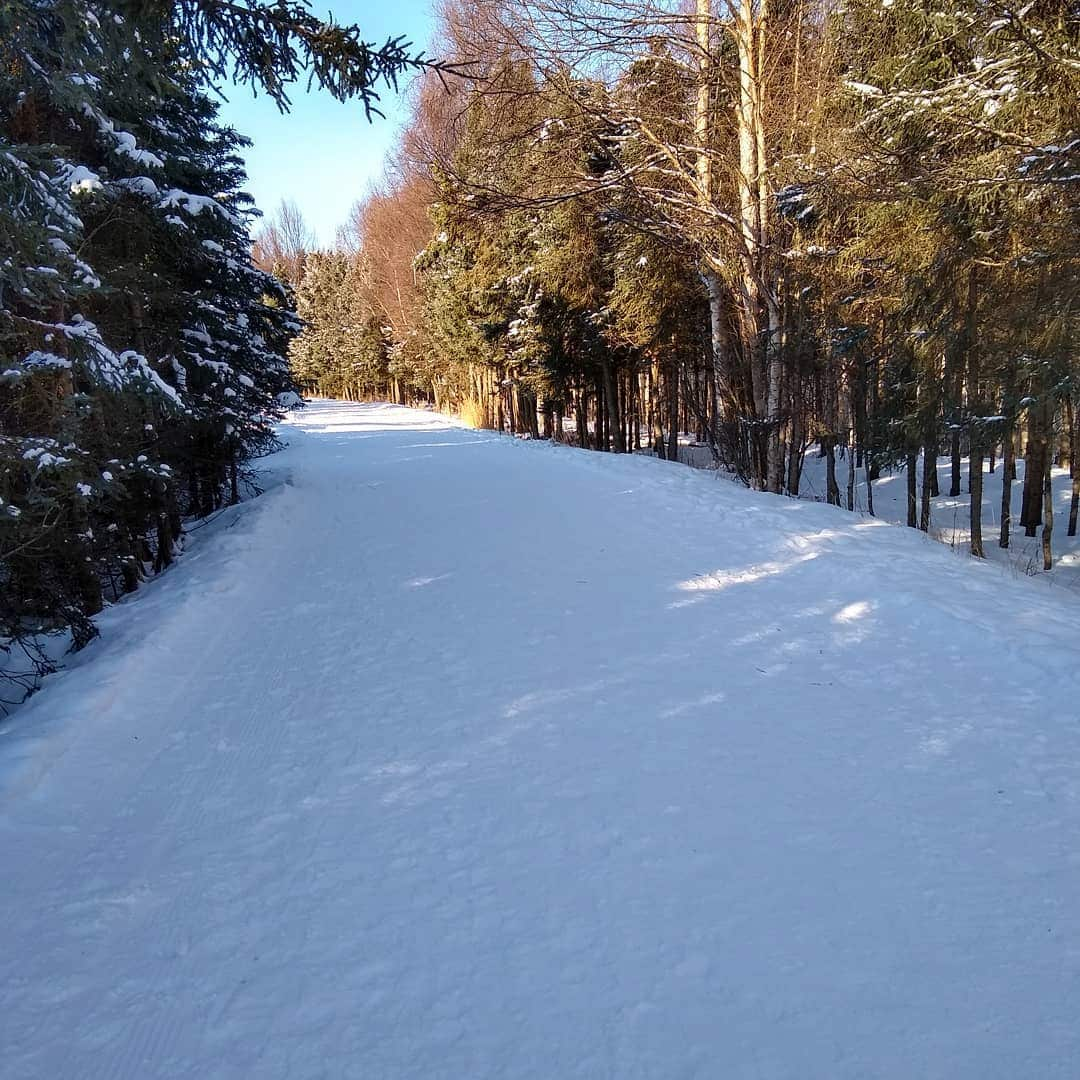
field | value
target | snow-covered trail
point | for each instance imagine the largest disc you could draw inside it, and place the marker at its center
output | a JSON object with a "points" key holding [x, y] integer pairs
{"points": [[459, 757]]}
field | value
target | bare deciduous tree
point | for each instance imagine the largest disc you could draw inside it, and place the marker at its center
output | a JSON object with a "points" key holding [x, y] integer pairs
{"points": [[282, 243]]}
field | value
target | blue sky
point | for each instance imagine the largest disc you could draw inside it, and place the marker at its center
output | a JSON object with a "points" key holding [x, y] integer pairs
{"points": [[324, 154]]}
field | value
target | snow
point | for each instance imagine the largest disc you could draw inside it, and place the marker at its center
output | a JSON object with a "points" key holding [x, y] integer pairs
{"points": [[191, 204], [200, 336], [863, 89], [950, 516], [455, 755], [123, 142], [126, 145], [81, 180], [44, 458], [140, 185], [40, 359]]}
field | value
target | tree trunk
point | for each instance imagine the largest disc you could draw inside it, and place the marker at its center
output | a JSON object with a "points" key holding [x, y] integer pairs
{"points": [[702, 119], [774, 455], [929, 469], [164, 544], [756, 325], [497, 392], [850, 476], [832, 489], [1031, 505], [975, 478], [622, 414], [129, 573], [656, 428], [673, 409], [976, 407], [718, 336], [1048, 515], [773, 354], [795, 453], [954, 390], [912, 490], [870, 397], [1034, 466], [954, 462], [1074, 465], [528, 401], [513, 410], [1008, 472]]}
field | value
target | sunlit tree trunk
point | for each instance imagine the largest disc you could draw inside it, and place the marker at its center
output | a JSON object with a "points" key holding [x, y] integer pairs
{"points": [[714, 285], [751, 235]]}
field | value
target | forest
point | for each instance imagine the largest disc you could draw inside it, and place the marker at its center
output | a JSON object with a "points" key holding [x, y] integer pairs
{"points": [[143, 355], [847, 229]]}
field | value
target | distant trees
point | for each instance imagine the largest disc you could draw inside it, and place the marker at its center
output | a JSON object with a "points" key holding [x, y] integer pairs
{"points": [[282, 243], [776, 226], [341, 352]]}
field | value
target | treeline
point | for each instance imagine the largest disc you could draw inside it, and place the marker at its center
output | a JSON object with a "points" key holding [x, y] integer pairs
{"points": [[142, 354], [780, 226]]}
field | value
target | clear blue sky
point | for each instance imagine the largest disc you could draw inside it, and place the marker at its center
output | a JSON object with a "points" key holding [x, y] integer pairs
{"points": [[322, 154]]}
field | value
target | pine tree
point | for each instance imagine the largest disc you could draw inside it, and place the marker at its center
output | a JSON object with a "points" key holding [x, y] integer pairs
{"points": [[142, 355]]}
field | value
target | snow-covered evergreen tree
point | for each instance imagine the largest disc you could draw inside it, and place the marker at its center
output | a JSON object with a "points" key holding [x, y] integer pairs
{"points": [[142, 354]]}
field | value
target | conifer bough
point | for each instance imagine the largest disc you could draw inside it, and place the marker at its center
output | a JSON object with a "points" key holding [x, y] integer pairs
{"points": [[270, 45]]}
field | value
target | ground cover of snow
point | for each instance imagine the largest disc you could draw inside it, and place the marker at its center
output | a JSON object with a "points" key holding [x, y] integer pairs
{"points": [[458, 756], [950, 515]]}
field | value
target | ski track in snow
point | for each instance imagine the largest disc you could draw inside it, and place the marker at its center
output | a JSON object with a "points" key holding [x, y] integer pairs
{"points": [[455, 756]]}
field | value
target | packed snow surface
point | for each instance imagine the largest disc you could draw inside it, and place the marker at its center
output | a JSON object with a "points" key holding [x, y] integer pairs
{"points": [[456, 756]]}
